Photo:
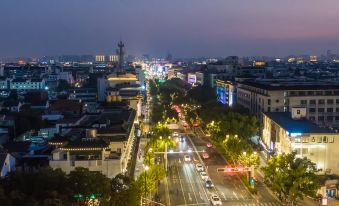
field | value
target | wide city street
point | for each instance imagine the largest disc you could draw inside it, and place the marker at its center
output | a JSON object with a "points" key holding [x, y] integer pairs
{"points": [[186, 186]]}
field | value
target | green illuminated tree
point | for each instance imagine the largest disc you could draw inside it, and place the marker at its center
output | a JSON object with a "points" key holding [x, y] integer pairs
{"points": [[292, 178]]}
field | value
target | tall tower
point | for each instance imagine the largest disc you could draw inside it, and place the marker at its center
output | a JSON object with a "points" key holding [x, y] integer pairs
{"points": [[120, 52]]}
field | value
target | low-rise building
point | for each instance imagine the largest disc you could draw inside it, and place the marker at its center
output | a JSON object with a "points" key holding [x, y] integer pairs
{"points": [[27, 84], [284, 132], [102, 142]]}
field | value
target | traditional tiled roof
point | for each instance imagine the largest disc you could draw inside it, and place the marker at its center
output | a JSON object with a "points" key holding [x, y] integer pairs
{"points": [[86, 144]]}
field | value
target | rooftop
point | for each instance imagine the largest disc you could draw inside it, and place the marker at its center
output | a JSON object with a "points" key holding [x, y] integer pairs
{"points": [[86, 143], [285, 120], [291, 85]]}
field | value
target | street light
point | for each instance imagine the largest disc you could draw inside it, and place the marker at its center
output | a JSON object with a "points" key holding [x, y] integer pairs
{"points": [[146, 169]]}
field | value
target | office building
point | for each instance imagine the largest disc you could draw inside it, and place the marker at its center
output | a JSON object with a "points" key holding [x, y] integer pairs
{"points": [[321, 99]]}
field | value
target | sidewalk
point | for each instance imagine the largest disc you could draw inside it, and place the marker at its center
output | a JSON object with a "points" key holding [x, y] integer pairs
{"points": [[139, 166]]}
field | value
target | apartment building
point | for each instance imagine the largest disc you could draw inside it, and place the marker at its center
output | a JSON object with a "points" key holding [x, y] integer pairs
{"points": [[321, 99], [284, 132]]}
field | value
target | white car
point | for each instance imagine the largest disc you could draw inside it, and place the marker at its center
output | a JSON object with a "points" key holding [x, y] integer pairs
{"points": [[187, 158], [215, 200], [199, 167], [175, 134], [203, 175]]}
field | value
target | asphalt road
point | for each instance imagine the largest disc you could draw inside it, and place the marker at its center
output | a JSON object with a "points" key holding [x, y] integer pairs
{"points": [[186, 187]]}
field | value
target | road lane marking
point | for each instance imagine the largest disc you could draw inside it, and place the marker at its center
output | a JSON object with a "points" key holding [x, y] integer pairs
{"points": [[235, 195], [223, 194], [190, 181], [189, 197], [182, 189], [200, 196], [203, 203]]}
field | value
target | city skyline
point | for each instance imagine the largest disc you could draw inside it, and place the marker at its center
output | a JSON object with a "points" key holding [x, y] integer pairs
{"points": [[185, 29]]}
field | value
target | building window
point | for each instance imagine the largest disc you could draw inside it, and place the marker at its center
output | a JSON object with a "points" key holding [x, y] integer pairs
{"points": [[331, 139], [301, 93], [325, 139], [303, 102], [337, 118], [321, 101], [321, 110], [329, 118], [312, 118], [305, 139], [305, 151], [330, 101], [337, 101], [312, 101], [277, 101], [321, 118], [310, 93], [313, 139], [329, 109], [328, 92], [298, 151], [318, 93], [311, 110], [319, 139], [269, 109], [269, 101]]}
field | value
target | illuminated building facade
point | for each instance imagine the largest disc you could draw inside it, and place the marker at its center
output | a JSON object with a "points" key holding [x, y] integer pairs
{"points": [[284, 132], [100, 58], [113, 58], [226, 92]]}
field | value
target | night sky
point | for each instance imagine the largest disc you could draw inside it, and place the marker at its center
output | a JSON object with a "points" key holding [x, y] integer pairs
{"points": [[185, 28]]}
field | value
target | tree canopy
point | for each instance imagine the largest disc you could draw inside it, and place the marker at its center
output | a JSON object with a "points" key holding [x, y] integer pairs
{"points": [[291, 177]]}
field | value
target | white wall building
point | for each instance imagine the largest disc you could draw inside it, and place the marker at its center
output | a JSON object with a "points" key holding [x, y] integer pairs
{"points": [[284, 132]]}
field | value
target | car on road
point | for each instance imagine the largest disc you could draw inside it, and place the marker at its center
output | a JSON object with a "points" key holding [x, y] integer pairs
{"points": [[175, 134], [209, 183], [199, 167], [187, 158], [203, 175], [205, 155], [215, 200], [209, 145], [182, 138]]}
